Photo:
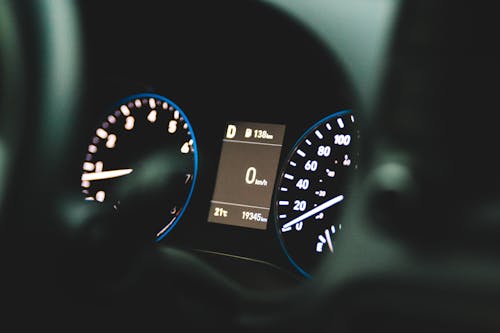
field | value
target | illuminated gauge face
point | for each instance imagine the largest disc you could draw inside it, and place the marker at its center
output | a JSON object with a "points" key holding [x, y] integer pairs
{"points": [[312, 189], [142, 159]]}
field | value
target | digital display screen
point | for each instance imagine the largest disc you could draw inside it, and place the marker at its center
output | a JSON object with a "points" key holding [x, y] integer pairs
{"points": [[246, 175]]}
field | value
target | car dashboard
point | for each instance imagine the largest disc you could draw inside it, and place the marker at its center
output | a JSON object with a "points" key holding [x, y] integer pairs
{"points": [[244, 85], [251, 165]]}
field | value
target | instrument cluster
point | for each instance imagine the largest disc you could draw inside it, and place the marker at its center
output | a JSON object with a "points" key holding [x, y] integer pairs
{"points": [[242, 146]]}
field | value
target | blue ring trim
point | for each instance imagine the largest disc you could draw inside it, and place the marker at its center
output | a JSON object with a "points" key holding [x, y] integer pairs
{"points": [[294, 147], [195, 145]]}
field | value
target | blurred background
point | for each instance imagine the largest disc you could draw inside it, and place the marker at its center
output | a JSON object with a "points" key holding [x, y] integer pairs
{"points": [[421, 251]]}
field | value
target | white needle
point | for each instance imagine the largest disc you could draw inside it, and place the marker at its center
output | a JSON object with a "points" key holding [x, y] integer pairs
{"points": [[329, 239], [313, 211], [105, 174]]}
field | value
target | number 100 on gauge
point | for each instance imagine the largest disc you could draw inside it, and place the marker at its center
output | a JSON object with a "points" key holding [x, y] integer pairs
{"points": [[312, 190]]}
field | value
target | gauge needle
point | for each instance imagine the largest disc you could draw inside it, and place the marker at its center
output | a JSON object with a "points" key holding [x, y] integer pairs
{"points": [[105, 174], [329, 240], [313, 211]]}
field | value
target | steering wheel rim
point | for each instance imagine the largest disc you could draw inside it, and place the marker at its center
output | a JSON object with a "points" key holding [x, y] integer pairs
{"points": [[41, 66], [40, 62], [11, 83]]}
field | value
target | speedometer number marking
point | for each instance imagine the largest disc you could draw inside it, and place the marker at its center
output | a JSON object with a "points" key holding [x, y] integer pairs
{"points": [[119, 167], [315, 176]]}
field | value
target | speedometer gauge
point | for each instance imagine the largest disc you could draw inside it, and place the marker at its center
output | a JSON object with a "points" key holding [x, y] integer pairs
{"points": [[312, 188], [143, 159]]}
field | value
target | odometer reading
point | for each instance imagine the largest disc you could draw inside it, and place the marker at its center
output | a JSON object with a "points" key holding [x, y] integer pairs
{"points": [[311, 190], [246, 175]]}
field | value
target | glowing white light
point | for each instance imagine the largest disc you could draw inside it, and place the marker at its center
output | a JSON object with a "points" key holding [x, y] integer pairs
{"points": [[86, 184], [352, 118], [111, 142], [172, 126], [99, 196], [314, 211], [329, 240], [292, 163], [283, 189], [176, 114], [288, 176], [98, 166], [319, 245], [283, 216], [111, 119], [308, 142], [125, 110], [152, 116], [283, 203], [138, 103], [152, 103], [92, 149], [185, 126], [101, 133], [166, 227], [185, 148], [165, 105], [100, 175], [88, 166], [340, 122], [301, 153], [129, 123], [318, 134], [328, 126], [346, 161]]}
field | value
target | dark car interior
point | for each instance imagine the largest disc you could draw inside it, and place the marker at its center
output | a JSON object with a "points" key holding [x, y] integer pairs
{"points": [[250, 165]]}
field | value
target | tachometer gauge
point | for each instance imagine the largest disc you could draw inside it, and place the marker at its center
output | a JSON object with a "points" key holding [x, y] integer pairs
{"points": [[143, 160], [312, 189]]}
